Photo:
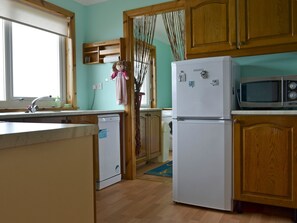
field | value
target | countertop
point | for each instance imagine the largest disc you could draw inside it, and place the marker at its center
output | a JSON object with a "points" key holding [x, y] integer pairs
{"points": [[14, 134], [150, 109], [264, 112], [10, 115]]}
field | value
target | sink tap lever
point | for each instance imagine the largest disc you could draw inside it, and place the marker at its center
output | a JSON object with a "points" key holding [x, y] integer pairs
{"points": [[33, 107]]}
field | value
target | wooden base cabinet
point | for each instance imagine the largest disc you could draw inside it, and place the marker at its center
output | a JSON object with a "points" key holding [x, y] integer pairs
{"points": [[150, 136], [265, 160], [72, 119]]}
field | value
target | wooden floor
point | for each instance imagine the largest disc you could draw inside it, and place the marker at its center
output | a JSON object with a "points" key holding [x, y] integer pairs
{"points": [[149, 199]]}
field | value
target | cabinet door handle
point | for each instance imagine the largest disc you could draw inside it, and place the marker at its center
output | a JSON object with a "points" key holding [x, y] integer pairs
{"points": [[232, 43], [241, 43], [236, 121]]}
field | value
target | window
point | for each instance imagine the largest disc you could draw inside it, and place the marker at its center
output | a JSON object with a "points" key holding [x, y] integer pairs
{"points": [[34, 64], [146, 89], [148, 100], [146, 86], [36, 61]]}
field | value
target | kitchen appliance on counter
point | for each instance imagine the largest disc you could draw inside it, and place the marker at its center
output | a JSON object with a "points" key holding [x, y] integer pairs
{"points": [[109, 150], [166, 135], [268, 92], [203, 97]]}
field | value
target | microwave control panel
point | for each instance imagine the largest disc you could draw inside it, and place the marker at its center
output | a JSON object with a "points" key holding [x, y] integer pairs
{"points": [[291, 91]]}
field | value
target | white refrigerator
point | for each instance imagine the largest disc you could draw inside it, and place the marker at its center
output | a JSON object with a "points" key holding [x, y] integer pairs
{"points": [[203, 95]]}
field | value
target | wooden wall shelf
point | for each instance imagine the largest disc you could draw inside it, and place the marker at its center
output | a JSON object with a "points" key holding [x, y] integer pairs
{"points": [[94, 53]]}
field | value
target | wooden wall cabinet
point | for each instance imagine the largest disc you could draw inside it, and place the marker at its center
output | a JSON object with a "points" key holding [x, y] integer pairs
{"points": [[222, 27], [265, 160], [150, 136], [266, 22], [210, 26], [94, 53]]}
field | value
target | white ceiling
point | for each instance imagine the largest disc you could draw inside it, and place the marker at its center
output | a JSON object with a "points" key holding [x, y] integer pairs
{"points": [[90, 2]]}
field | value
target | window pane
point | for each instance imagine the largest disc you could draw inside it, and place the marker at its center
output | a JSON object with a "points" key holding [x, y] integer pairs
{"points": [[145, 88], [145, 102], [36, 62], [2, 80]]}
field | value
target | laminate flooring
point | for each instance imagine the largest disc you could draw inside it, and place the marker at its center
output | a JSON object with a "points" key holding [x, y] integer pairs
{"points": [[149, 199]]}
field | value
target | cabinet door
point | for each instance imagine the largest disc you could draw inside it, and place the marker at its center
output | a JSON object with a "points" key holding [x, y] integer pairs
{"points": [[89, 119], [265, 160], [142, 157], [267, 22], [210, 26], [155, 134]]}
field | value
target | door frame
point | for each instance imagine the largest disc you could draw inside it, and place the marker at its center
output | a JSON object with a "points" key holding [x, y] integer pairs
{"points": [[128, 16]]}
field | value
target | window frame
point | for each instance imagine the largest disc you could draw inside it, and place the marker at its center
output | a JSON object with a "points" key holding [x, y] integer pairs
{"points": [[152, 100], [10, 98], [70, 52]]}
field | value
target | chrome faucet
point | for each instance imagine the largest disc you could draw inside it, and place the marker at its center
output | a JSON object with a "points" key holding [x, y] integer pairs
{"points": [[33, 107]]}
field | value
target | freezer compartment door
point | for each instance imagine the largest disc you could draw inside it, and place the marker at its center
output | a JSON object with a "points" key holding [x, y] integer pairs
{"points": [[202, 88], [202, 163]]}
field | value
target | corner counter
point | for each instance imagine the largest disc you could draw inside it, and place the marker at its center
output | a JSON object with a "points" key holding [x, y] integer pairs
{"points": [[22, 134], [47, 173], [264, 112], [67, 116], [42, 114]]}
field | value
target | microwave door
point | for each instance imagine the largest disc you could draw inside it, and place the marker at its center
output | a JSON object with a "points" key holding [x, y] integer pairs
{"points": [[261, 94]]}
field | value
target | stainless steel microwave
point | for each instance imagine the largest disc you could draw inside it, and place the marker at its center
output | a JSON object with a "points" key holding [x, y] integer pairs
{"points": [[268, 92]]}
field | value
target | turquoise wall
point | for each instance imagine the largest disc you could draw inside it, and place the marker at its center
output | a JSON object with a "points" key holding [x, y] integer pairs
{"points": [[98, 22], [80, 19], [268, 65], [104, 21], [164, 59]]}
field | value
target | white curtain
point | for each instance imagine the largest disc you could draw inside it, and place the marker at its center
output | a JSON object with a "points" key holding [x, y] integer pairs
{"points": [[20, 12]]}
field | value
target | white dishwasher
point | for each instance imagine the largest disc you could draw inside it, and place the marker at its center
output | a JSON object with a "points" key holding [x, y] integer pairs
{"points": [[109, 150]]}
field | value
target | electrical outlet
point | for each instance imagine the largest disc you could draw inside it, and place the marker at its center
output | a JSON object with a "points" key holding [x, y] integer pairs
{"points": [[98, 86]]}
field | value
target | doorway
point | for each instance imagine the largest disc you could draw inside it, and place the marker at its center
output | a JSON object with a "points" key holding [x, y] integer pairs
{"points": [[129, 43]]}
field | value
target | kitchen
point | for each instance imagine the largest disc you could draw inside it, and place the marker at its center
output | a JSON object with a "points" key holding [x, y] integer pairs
{"points": [[87, 75]]}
